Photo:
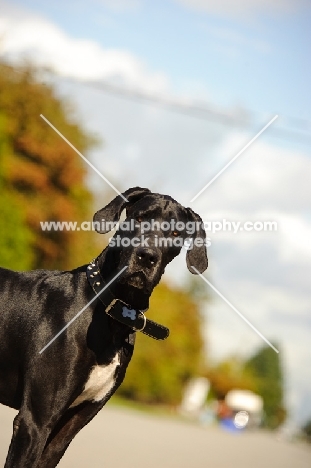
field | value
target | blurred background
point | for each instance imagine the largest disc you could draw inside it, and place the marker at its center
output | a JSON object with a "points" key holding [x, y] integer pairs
{"points": [[163, 95]]}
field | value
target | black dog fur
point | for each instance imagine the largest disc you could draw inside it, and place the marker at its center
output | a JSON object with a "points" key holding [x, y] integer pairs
{"points": [[59, 391]]}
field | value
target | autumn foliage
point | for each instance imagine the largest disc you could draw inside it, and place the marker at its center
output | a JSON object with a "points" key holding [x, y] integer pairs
{"points": [[159, 370], [41, 177]]}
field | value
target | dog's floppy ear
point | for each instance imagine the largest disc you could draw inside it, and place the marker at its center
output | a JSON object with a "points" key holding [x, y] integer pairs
{"points": [[111, 213], [196, 255]]}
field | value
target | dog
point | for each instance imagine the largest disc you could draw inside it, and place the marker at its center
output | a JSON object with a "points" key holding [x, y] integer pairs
{"points": [[59, 388]]}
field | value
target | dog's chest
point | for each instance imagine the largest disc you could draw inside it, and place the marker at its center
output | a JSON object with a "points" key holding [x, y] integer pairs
{"points": [[99, 383]]}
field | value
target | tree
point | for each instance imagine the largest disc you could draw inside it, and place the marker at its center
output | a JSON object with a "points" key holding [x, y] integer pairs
{"points": [[229, 374], [159, 369], [15, 245], [41, 177], [306, 431], [266, 368]]}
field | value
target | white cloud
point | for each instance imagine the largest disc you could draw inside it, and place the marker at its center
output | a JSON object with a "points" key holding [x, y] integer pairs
{"points": [[29, 37], [246, 7], [296, 239], [265, 183], [265, 177]]}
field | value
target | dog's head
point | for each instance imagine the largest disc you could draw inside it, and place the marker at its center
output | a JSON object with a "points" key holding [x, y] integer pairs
{"points": [[153, 233]]}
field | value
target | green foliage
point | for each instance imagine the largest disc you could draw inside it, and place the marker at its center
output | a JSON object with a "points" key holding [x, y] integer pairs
{"points": [[306, 431], [266, 368], [16, 237], [261, 373], [229, 375], [42, 178], [159, 369]]}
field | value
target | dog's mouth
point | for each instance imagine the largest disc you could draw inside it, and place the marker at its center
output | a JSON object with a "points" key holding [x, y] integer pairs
{"points": [[134, 289], [137, 280]]}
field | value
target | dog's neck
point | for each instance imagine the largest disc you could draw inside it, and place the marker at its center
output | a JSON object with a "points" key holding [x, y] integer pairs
{"points": [[106, 263]]}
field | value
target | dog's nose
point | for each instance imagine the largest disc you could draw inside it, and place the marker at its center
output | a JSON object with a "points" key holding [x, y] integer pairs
{"points": [[147, 257]]}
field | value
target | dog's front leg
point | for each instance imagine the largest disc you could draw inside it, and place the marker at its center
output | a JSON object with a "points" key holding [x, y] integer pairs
{"points": [[27, 442], [72, 421]]}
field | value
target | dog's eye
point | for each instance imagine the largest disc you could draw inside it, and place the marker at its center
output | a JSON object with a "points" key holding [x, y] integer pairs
{"points": [[175, 233]]}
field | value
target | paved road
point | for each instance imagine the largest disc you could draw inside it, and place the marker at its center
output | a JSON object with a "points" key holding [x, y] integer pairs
{"points": [[122, 438]]}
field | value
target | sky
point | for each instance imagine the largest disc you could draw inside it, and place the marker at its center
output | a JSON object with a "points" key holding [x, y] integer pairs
{"points": [[244, 63]]}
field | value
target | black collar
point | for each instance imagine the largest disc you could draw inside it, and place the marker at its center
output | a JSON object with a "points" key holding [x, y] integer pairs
{"points": [[98, 284], [119, 310]]}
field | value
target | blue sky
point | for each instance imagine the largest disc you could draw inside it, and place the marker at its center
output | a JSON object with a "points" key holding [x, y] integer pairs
{"points": [[258, 59], [238, 57]]}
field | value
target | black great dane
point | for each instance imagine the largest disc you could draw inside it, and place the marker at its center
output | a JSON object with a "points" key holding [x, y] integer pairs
{"points": [[59, 390]]}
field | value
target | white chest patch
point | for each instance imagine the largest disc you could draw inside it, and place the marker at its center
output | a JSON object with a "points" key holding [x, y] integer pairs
{"points": [[100, 382]]}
